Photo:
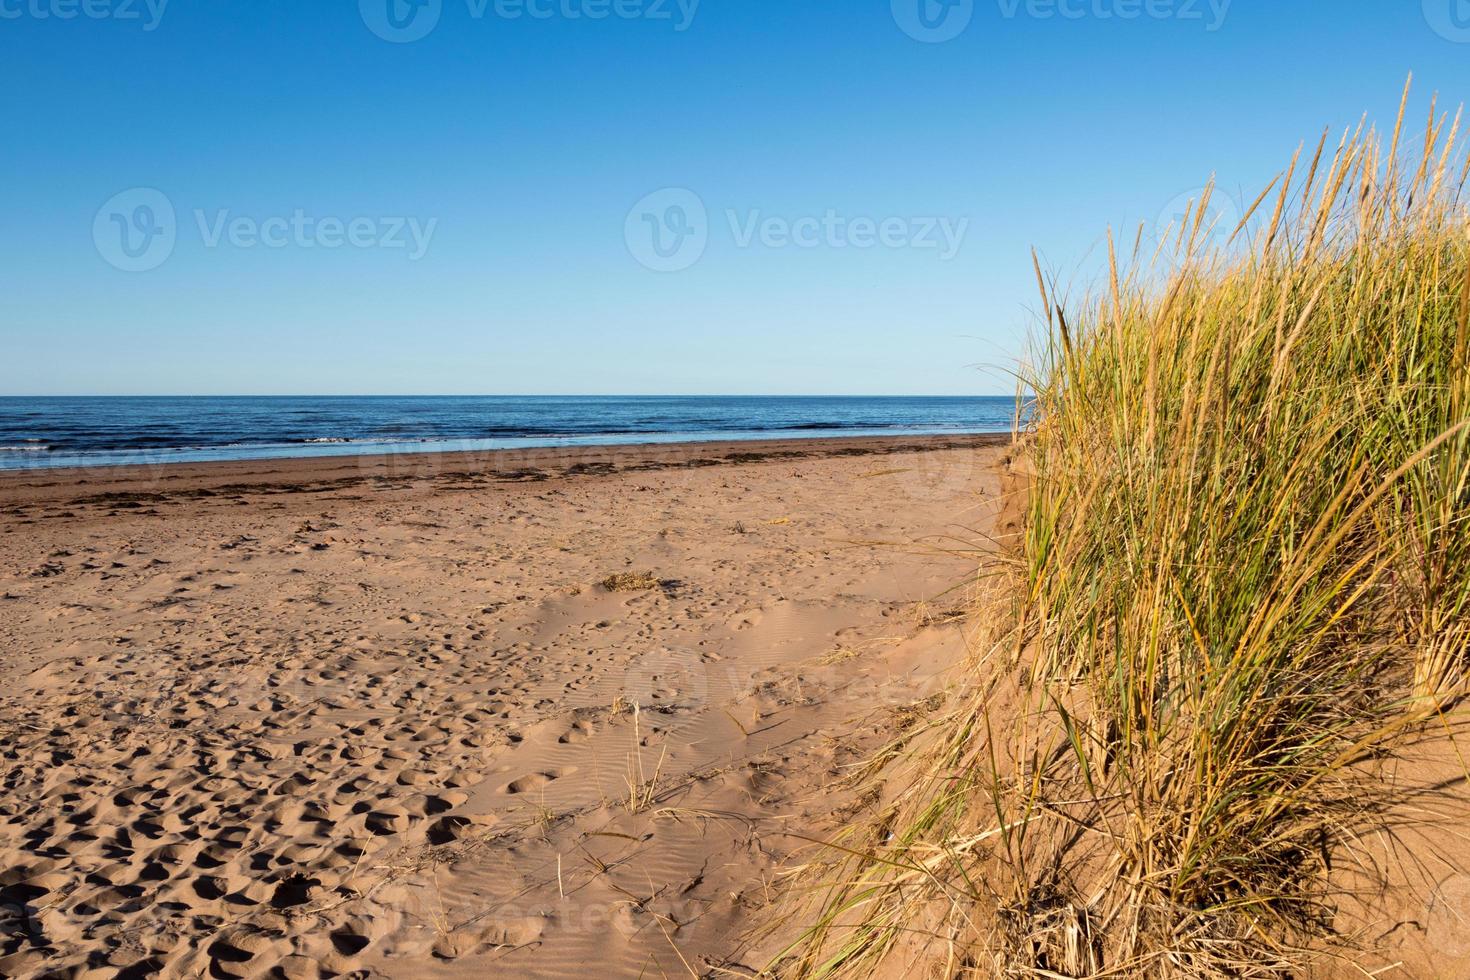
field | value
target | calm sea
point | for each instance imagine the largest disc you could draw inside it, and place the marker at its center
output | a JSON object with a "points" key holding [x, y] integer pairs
{"points": [[47, 432]]}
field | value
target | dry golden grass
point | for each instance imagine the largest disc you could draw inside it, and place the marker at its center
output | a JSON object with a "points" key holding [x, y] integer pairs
{"points": [[630, 582], [1244, 568]]}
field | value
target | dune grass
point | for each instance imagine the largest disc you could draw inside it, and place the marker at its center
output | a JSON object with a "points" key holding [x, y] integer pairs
{"points": [[630, 582], [1244, 571]]}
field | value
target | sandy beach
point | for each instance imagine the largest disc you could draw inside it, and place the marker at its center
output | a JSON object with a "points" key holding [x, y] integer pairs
{"points": [[548, 713]]}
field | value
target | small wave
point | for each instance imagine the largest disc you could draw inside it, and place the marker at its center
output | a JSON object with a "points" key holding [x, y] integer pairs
{"points": [[800, 426], [325, 439], [545, 432], [25, 449]]}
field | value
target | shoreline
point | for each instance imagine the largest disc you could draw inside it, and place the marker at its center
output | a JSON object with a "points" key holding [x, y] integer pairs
{"points": [[159, 482]]}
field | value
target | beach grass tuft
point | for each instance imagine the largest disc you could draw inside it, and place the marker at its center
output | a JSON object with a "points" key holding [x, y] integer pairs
{"points": [[1243, 573], [630, 582]]}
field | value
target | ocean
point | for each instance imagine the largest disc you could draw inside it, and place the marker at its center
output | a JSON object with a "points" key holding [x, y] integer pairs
{"points": [[81, 431]]}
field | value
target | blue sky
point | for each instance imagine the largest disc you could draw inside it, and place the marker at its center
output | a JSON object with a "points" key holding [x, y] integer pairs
{"points": [[827, 148]]}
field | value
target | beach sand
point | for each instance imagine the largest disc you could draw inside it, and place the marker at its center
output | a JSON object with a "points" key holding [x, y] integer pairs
{"points": [[393, 716]]}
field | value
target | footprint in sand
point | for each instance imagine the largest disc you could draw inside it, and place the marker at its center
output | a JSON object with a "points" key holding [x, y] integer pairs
{"points": [[579, 732], [536, 780]]}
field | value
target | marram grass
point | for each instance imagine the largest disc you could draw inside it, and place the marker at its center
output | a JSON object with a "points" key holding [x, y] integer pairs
{"points": [[1244, 571]]}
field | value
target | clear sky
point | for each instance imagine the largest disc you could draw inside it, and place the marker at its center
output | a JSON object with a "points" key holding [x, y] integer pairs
{"points": [[844, 193]]}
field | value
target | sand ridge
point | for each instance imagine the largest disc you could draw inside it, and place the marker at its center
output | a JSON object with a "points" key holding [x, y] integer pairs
{"points": [[380, 717]]}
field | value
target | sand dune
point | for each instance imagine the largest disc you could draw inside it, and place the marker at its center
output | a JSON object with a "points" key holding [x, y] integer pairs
{"points": [[385, 717]]}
